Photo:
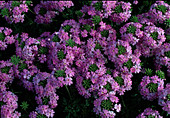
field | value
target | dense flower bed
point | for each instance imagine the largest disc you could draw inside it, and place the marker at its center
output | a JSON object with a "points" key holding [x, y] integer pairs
{"points": [[102, 50]]}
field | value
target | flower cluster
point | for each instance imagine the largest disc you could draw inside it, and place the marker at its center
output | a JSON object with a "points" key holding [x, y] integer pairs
{"points": [[6, 37], [14, 11], [148, 112], [150, 87], [88, 52], [47, 10], [164, 98]]}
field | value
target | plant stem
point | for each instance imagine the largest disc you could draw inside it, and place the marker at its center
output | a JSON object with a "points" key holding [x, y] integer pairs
{"points": [[68, 91]]}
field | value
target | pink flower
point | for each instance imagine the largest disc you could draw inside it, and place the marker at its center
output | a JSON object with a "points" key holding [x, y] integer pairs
{"points": [[117, 107]]}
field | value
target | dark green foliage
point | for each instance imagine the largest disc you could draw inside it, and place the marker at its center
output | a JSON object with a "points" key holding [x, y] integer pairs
{"points": [[4, 12], [167, 22], [98, 46], [105, 33], [15, 3], [56, 38], [150, 116], [22, 45], [148, 72], [2, 103], [96, 19], [167, 54], [152, 87], [19, 40], [67, 28], [108, 72], [42, 11], [161, 8], [108, 87], [86, 27], [60, 73], [15, 60], [24, 105], [2, 36], [79, 13], [45, 100], [60, 55], [118, 9], [98, 6], [93, 67], [43, 50], [168, 97], [128, 64], [22, 66], [160, 74], [131, 29], [70, 43], [121, 49], [119, 80], [134, 19], [107, 104], [41, 116], [168, 38], [43, 83], [154, 35], [86, 83], [5, 69]]}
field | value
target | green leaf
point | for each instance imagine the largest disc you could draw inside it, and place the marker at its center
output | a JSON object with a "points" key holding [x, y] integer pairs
{"points": [[28, 3], [41, 116], [98, 6], [160, 74], [45, 100], [108, 87], [22, 67], [15, 3], [134, 19], [161, 8], [128, 64], [67, 28], [60, 73], [42, 11], [154, 35], [70, 43], [43, 83], [98, 46], [167, 22], [131, 29], [118, 9], [96, 19], [167, 54], [15, 60], [2, 36], [107, 104], [86, 83], [148, 72], [119, 80], [43, 50], [60, 55], [79, 13], [168, 97], [5, 69], [24, 105], [5, 12], [86, 27], [56, 38], [152, 87], [121, 49], [105, 33], [108, 72], [93, 67]]}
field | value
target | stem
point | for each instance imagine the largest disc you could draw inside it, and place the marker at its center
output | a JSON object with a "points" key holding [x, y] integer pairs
{"points": [[123, 102], [68, 92], [31, 11]]}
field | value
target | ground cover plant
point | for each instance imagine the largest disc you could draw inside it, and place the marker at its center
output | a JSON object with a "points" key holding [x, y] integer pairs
{"points": [[80, 59]]}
